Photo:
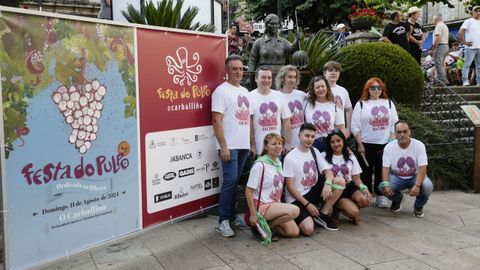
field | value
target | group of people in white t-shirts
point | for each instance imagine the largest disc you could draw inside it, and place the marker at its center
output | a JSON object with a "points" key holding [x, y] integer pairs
{"points": [[304, 174]]}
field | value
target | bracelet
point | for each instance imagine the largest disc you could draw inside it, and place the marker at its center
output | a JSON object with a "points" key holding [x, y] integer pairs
{"points": [[363, 187], [384, 184], [307, 204], [328, 182]]}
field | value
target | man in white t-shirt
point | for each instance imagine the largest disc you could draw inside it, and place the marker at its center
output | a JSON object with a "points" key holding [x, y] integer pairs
{"points": [[405, 166], [331, 71], [231, 112], [270, 113], [306, 188], [287, 81], [470, 36]]}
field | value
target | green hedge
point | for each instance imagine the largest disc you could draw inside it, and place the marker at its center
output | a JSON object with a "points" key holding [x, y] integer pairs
{"points": [[450, 166], [401, 73]]}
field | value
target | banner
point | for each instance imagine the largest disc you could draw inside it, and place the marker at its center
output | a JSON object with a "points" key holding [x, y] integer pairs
{"points": [[180, 165], [70, 135]]}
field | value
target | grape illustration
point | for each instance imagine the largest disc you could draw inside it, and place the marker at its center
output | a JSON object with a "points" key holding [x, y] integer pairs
{"points": [[383, 110], [239, 101], [306, 167], [273, 107], [298, 104], [263, 108], [410, 162], [401, 162], [375, 110], [81, 107], [291, 106]]}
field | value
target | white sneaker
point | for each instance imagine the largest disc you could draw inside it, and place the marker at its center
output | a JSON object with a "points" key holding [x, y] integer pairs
{"points": [[466, 84], [224, 229], [382, 202]]}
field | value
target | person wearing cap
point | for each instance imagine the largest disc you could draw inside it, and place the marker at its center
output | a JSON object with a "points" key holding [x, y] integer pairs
{"points": [[470, 36], [415, 34], [395, 32], [341, 34], [440, 47]]}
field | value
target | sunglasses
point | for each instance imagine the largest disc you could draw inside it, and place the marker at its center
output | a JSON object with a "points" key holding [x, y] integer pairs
{"points": [[376, 87], [334, 131]]}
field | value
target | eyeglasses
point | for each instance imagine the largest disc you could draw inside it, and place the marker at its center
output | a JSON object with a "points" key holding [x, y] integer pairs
{"points": [[375, 87], [334, 131]]}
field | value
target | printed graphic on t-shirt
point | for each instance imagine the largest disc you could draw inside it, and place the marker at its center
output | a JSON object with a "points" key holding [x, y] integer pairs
{"points": [[380, 118], [321, 120], [309, 178], [341, 171], [268, 117], [406, 167], [243, 113], [276, 193], [399, 30], [296, 108], [339, 102]]}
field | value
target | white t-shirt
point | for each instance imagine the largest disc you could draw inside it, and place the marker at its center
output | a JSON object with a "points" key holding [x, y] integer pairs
{"points": [[233, 103], [404, 163], [272, 182], [472, 32], [295, 102], [302, 167], [268, 112], [375, 119], [450, 60], [324, 116], [342, 99], [441, 29], [345, 169]]}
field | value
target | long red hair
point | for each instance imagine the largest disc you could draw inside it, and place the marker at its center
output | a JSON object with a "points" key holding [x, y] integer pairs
{"points": [[366, 89]]}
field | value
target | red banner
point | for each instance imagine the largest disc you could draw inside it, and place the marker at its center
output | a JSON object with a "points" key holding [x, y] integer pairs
{"points": [[177, 75]]}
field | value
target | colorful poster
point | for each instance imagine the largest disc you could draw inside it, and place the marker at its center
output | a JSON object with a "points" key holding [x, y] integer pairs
{"points": [[69, 112], [177, 74]]}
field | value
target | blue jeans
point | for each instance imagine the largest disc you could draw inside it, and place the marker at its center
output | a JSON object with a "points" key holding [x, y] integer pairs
{"points": [[397, 184], [470, 55], [232, 170]]}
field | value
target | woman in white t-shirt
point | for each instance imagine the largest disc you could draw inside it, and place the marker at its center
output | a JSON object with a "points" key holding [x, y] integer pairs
{"points": [[345, 166], [265, 186], [373, 121], [321, 111]]}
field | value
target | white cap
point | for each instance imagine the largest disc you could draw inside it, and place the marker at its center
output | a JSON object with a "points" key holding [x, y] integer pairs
{"points": [[340, 25], [475, 7]]}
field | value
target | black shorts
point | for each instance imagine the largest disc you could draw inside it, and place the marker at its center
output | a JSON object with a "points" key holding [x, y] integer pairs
{"points": [[350, 188], [314, 196]]}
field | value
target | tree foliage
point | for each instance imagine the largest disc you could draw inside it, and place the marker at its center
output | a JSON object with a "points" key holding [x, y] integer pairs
{"points": [[166, 15], [318, 14]]}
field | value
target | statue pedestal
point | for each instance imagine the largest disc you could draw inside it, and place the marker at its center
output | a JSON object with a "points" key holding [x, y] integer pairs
{"points": [[362, 37]]}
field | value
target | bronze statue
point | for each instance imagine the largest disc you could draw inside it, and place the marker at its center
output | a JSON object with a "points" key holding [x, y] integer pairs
{"points": [[271, 49]]}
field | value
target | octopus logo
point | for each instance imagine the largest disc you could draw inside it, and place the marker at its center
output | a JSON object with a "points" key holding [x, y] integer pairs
{"points": [[243, 114], [321, 120], [380, 118], [310, 174], [296, 109], [406, 167], [183, 70], [268, 117], [276, 193], [339, 102], [341, 171]]}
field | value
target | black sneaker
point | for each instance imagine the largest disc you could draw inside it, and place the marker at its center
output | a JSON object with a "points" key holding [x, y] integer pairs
{"points": [[418, 211], [326, 222], [397, 205]]}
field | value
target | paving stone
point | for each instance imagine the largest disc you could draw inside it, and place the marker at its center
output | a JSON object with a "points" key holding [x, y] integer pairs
{"points": [[128, 254], [323, 259], [474, 251], [469, 217], [182, 251], [401, 264], [438, 256], [452, 201], [435, 233], [471, 230], [240, 252], [363, 251], [295, 245], [80, 262]]}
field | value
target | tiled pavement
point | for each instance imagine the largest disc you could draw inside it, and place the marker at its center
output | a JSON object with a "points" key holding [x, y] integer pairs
{"points": [[448, 237]]}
